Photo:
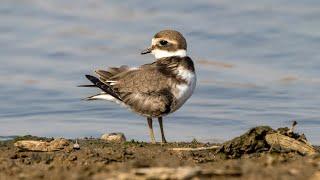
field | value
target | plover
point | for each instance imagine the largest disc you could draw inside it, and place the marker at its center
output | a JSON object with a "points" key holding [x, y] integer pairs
{"points": [[152, 90]]}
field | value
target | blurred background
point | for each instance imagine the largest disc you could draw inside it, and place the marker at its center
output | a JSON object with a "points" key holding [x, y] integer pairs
{"points": [[257, 64]]}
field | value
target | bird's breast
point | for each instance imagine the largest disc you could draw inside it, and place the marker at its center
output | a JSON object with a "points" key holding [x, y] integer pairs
{"points": [[183, 91]]}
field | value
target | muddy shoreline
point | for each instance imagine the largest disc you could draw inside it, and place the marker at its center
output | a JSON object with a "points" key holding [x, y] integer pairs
{"points": [[98, 159]]}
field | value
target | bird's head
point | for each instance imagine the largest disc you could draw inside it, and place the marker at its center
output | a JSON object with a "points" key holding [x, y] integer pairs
{"points": [[167, 43]]}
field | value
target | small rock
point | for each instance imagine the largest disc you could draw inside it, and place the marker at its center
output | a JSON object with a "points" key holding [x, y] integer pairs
{"points": [[43, 146], [293, 171], [114, 137], [76, 146]]}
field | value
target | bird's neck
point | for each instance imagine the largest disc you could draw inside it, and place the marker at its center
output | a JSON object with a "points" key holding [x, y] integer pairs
{"points": [[163, 53]]}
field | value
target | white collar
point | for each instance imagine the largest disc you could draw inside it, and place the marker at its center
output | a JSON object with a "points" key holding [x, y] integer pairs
{"points": [[163, 53]]}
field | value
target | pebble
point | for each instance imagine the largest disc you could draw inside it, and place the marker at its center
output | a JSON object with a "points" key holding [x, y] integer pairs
{"points": [[76, 146], [293, 171], [114, 137]]}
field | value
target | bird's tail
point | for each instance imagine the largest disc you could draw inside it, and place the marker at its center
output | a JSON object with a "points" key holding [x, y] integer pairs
{"points": [[93, 97], [87, 85], [104, 87]]}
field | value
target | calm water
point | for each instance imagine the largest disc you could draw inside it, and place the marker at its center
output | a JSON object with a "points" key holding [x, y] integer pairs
{"points": [[257, 62]]}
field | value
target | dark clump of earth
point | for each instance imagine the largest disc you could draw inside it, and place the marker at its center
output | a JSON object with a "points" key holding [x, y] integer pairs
{"points": [[252, 141]]}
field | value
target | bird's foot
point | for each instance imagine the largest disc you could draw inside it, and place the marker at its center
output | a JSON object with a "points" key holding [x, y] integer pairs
{"points": [[164, 141]]}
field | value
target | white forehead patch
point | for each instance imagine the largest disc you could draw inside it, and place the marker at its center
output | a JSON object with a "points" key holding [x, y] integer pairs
{"points": [[163, 53], [153, 41]]}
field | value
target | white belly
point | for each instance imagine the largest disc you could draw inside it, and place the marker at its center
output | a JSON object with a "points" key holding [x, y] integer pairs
{"points": [[184, 91]]}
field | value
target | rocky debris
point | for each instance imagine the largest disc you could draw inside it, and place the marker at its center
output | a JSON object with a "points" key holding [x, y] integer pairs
{"points": [[290, 133], [264, 138], [114, 137], [285, 142], [98, 159], [43, 146]]}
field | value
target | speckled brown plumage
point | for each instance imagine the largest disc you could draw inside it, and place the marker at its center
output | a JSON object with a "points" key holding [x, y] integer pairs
{"points": [[147, 90]]}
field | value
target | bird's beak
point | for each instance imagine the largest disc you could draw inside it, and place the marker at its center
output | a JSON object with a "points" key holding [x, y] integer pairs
{"points": [[146, 51]]}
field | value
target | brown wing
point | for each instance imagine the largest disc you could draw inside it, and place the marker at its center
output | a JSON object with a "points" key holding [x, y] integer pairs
{"points": [[105, 75], [146, 90], [147, 78]]}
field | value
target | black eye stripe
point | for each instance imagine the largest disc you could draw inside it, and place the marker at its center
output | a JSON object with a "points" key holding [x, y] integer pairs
{"points": [[163, 42]]}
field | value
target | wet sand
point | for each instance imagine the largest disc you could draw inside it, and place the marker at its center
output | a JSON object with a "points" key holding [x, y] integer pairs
{"points": [[98, 159]]}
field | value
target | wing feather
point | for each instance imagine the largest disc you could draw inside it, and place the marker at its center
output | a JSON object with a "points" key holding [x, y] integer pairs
{"points": [[146, 90]]}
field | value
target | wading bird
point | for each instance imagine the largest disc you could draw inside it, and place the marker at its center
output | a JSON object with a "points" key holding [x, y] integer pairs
{"points": [[152, 90]]}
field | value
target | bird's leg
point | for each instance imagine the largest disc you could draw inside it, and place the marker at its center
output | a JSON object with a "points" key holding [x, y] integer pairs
{"points": [[161, 129], [153, 140]]}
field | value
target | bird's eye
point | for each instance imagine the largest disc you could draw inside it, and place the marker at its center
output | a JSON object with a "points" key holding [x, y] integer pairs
{"points": [[163, 42]]}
